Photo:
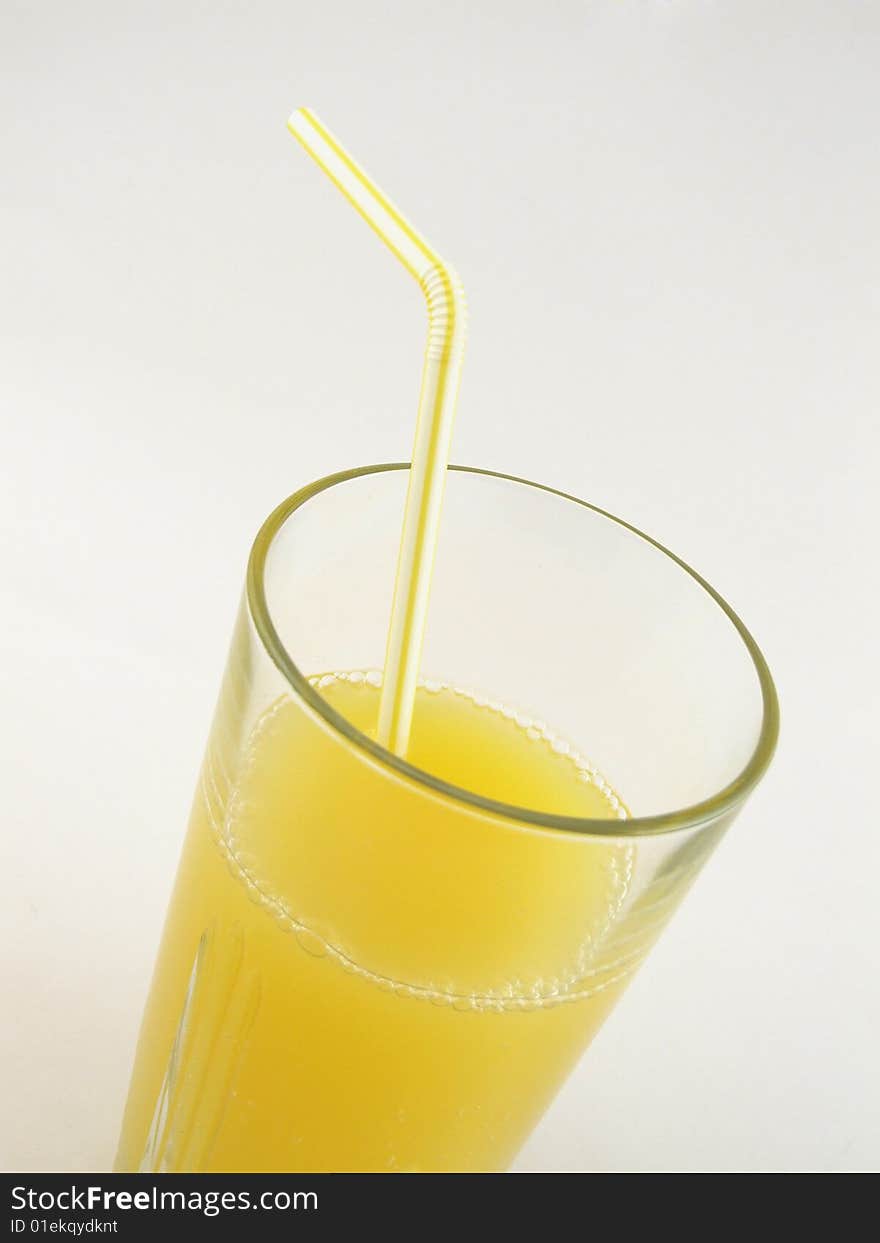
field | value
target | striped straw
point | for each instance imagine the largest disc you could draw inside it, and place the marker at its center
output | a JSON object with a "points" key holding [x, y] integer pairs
{"points": [[441, 371]]}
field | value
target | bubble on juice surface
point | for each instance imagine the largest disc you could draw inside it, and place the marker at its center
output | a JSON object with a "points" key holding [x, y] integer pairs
{"points": [[311, 942]]}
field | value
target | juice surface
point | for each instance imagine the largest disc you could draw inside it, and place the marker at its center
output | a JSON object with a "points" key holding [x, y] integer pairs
{"points": [[357, 974]]}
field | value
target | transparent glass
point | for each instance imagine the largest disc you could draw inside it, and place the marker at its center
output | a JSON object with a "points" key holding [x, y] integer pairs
{"points": [[367, 968]]}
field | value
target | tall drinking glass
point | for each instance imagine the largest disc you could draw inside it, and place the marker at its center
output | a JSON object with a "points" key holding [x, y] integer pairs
{"points": [[366, 967]]}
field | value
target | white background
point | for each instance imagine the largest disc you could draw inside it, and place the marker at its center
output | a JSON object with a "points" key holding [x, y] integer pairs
{"points": [[666, 219]]}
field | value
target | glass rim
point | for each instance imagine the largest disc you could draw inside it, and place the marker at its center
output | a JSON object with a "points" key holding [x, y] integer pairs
{"points": [[726, 799]]}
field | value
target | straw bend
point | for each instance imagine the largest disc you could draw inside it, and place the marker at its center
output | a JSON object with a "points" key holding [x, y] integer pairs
{"points": [[447, 310]]}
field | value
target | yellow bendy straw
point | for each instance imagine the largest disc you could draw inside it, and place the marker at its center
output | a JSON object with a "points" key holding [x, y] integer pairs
{"points": [[441, 371]]}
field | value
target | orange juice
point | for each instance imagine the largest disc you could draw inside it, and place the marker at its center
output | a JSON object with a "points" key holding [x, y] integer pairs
{"points": [[342, 986]]}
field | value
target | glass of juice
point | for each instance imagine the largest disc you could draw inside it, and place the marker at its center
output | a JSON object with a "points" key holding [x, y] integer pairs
{"points": [[373, 963]]}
